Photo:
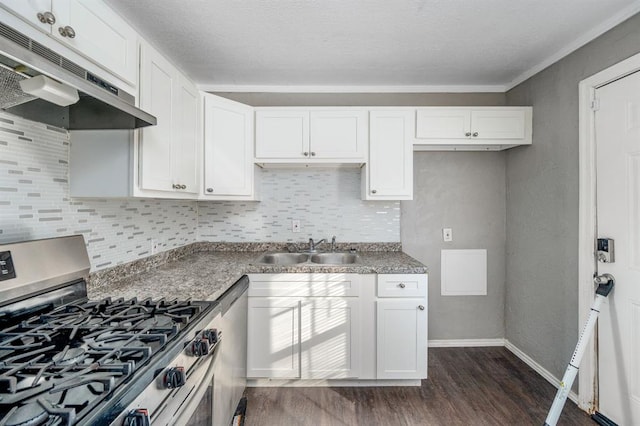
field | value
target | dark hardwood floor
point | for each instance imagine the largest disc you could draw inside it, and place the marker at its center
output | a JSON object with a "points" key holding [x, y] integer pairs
{"points": [[466, 386]]}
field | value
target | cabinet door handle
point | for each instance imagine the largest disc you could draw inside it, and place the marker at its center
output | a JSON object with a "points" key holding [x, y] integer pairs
{"points": [[175, 186], [183, 186], [467, 134], [421, 307], [373, 191], [313, 154], [46, 18], [306, 154], [401, 285], [209, 190], [475, 134], [67, 32]]}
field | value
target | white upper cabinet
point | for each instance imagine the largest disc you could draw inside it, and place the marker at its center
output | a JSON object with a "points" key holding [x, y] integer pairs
{"points": [[228, 149], [282, 134], [167, 151], [389, 171], [311, 135], [473, 128], [89, 27], [338, 134]]}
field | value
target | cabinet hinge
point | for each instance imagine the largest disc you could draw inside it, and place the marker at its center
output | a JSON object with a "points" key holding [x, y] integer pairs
{"points": [[595, 104]]}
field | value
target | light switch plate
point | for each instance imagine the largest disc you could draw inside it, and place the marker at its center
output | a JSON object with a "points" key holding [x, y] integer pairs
{"points": [[447, 235]]}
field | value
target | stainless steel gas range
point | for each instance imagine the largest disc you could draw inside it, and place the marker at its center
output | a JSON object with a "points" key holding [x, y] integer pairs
{"points": [[66, 360]]}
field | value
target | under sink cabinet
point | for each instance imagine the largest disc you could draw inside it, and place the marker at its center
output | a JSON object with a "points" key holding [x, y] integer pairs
{"points": [[339, 329]]}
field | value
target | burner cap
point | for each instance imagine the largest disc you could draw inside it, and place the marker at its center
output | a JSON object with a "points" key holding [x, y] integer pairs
{"points": [[69, 356], [31, 414], [157, 321]]}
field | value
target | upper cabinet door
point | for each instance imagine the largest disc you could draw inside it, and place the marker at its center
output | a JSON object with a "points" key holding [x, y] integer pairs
{"points": [[339, 134], [282, 134], [443, 123], [390, 166], [228, 147], [185, 138], [157, 83], [498, 124], [29, 10], [97, 32]]}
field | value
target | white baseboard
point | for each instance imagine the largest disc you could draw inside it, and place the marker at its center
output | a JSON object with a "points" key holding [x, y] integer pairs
{"points": [[538, 368], [465, 343], [270, 383]]}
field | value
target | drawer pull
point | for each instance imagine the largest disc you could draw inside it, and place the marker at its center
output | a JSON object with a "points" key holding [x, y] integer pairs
{"points": [[401, 285], [421, 307]]}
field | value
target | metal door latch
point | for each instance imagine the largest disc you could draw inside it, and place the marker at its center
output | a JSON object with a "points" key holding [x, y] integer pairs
{"points": [[605, 250]]}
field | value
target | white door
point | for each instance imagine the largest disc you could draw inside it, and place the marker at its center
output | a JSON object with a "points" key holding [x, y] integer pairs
{"points": [[390, 168], [617, 125], [29, 9], [497, 124], [185, 138], [443, 123], [282, 134], [98, 33], [401, 339], [338, 134], [157, 96], [330, 333], [273, 344], [228, 147]]}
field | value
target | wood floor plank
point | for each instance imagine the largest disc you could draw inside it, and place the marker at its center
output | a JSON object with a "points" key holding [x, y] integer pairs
{"points": [[466, 386]]}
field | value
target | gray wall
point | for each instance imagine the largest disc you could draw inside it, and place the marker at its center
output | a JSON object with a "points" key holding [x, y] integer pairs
{"points": [[542, 202], [464, 191]]}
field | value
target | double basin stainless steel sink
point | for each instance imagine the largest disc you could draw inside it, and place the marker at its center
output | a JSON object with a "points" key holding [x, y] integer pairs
{"points": [[314, 258]]}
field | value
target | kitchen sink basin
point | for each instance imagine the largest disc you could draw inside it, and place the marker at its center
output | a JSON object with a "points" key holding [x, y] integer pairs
{"points": [[283, 258], [335, 258]]}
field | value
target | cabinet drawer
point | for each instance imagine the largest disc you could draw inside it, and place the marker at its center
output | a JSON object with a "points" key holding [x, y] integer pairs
{"points": [[304, 285], [402, 285]]}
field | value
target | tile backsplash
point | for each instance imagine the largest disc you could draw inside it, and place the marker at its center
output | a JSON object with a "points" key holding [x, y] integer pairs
{"points": [[35, 203], [326, 201]]}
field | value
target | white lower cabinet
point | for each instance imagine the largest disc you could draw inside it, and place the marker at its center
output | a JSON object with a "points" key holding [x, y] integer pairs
{"points": [[273, 342], [336, 326], [401, 339], [329, 330]]}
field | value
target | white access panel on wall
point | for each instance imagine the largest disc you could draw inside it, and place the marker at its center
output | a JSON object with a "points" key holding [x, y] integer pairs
{"points": [[463, 272]]}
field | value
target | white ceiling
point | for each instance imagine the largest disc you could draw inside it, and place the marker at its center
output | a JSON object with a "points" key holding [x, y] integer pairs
{"points": [[487, 44]]}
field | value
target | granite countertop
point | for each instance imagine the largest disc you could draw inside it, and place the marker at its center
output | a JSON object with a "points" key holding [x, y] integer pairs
{"points": [[207, 275]]}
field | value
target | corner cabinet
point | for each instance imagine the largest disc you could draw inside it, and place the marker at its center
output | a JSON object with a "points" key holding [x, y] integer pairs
{"points": [[167, 151], [311, 135], [388, 175], [472, 128], [228, 150]]}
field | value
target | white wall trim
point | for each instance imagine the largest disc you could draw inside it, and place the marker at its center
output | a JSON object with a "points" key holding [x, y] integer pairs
{"points": [[585, 38], [465, 343], [587, 219], [237, 88], [538, 369]]}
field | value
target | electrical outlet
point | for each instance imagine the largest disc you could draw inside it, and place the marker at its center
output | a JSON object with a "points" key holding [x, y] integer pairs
{"points": [[295, 225], [447, 235], [154, 246]]}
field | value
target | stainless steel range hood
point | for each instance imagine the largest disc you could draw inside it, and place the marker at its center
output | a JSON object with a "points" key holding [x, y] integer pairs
{"points": [[101, 104]]}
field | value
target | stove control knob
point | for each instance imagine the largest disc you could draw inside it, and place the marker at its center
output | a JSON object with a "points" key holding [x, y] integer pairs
{"points": [[211, 334], [200, 347], [175, 377], [137, 417]]}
